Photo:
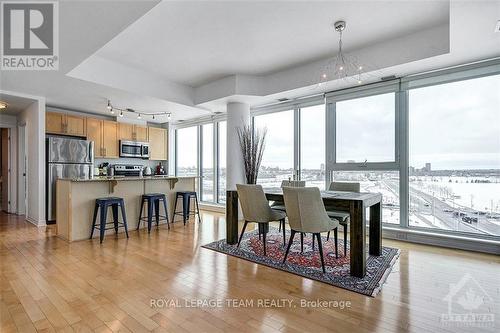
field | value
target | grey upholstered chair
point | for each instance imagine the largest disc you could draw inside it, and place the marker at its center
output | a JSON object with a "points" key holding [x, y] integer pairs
{"points": [[280, 205], [306, 213], [343, 217], [256, 209]]}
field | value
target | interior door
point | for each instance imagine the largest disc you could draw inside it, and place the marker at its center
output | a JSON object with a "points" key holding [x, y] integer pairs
{"points": [[5, 169]]}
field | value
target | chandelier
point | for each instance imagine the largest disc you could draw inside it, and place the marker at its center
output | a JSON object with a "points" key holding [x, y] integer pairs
{"points": [[342, 66], [112, 109]]}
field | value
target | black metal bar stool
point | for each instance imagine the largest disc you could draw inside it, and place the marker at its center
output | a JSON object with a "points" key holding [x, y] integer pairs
{"points": [[103, 204], [186, 204], [153, 200]]}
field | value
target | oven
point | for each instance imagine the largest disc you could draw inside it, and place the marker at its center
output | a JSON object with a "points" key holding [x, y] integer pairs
{"points": [[134, 149]]}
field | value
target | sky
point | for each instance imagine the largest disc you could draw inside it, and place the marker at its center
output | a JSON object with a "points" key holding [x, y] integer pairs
{"points": [[452, 126]]}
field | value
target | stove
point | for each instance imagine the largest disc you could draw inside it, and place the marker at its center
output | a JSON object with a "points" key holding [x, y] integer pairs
{"points": [[128, 170]]}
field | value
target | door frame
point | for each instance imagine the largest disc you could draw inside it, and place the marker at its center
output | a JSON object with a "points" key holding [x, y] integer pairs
{"points": [[22, 168]]}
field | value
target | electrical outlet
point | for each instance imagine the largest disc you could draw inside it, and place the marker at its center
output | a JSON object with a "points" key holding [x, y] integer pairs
{"points": [[497, 28]]}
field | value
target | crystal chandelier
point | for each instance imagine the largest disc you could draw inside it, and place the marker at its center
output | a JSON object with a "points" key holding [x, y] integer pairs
{"points": [[343, 66]]}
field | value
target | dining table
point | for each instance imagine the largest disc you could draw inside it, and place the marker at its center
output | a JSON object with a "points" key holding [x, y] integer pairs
{"points": [[355, 203]]}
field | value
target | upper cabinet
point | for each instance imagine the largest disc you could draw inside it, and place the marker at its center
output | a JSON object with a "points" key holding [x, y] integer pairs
{"points": [[94, 133], [104, 133], [141, 133], [131, 132], [158, 144], [59, 123]]}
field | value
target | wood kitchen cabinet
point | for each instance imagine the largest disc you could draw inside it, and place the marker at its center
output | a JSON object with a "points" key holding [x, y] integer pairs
{"points": [[110, 139], [94, 133], [104, 133], [141, 133], [158, 144], [132, 132], [59, 123]]}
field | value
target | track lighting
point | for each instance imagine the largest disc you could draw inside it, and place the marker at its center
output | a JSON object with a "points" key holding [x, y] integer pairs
{"points": [[121, 111]]}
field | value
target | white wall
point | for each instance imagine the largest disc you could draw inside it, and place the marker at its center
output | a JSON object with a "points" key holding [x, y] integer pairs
{"points": [[34, 118]]}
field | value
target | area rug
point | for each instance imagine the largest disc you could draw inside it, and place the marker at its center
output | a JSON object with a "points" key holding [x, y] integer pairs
{"points": [[308, 263]]}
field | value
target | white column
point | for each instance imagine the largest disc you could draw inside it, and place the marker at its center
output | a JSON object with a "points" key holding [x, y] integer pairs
{"points": [[238, 115]]}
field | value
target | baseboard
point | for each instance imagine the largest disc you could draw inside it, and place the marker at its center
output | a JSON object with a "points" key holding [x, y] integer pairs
{"points": [[213, 208], [35, 222]]}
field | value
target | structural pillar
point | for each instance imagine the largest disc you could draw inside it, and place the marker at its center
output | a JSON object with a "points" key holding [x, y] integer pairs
{"points": [[238, 115]]}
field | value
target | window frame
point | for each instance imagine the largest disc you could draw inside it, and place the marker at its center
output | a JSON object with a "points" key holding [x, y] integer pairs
{"points": [[400, 88]]}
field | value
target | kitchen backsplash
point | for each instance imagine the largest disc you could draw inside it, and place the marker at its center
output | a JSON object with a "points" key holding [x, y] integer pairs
{"points": [[131, 161]]}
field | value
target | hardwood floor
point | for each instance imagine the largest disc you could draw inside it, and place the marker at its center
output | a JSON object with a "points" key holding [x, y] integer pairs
{"points": [[50, 285]]}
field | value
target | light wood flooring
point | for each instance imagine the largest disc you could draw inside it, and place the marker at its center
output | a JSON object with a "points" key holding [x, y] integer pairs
{"points": [[50, 285]]}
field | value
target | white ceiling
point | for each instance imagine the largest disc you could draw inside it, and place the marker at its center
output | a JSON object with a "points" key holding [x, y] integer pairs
{"points": [[15, 104], [192, 57], [195, 42]]}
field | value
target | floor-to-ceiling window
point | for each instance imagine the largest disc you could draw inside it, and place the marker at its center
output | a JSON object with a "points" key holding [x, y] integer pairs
{"points": [[312, 145], [365, 129], [203, 146], [222, 163], [454, 178], [278, 159], [187, 151], [365, 147], [207, 162]]}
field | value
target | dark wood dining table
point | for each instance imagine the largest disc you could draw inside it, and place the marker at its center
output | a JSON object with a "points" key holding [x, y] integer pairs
{"points": [[352, 202]]}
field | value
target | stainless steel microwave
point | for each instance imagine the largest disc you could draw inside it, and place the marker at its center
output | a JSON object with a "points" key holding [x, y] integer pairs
{"points": [[134, 149]]}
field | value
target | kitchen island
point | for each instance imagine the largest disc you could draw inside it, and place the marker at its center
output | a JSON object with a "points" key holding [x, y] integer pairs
{"points": [[75, 200]]}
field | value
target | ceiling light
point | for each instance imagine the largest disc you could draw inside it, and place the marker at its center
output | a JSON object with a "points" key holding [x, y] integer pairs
{"points": [[109, 107], [112, 111], [342, 66], [121, 113], [3, 105], [139, 116], [153, 117]]}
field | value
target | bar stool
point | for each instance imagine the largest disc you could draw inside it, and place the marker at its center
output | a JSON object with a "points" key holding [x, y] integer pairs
{"points": [[186, 204], [103, 204], [153, 200]]}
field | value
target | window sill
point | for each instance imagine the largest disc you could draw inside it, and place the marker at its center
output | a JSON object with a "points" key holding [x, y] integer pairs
{"points": [[444, 240]]}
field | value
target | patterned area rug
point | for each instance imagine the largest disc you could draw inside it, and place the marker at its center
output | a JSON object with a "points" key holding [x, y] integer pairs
{"points": [[308, 263]]}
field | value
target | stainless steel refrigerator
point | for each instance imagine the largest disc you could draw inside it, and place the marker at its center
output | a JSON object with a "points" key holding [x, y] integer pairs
{"points": [[66, 158]]}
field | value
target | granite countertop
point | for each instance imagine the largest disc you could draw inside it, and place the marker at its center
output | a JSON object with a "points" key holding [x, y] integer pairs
{"points": [[123, 178]]}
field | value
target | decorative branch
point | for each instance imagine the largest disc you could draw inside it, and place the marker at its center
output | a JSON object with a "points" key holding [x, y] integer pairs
{"points": [[252, 147]]}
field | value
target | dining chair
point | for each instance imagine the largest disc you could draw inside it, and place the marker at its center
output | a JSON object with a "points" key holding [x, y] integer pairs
{"points": [[307, 214], [343, 217], [255, 208], [280, 205]]}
